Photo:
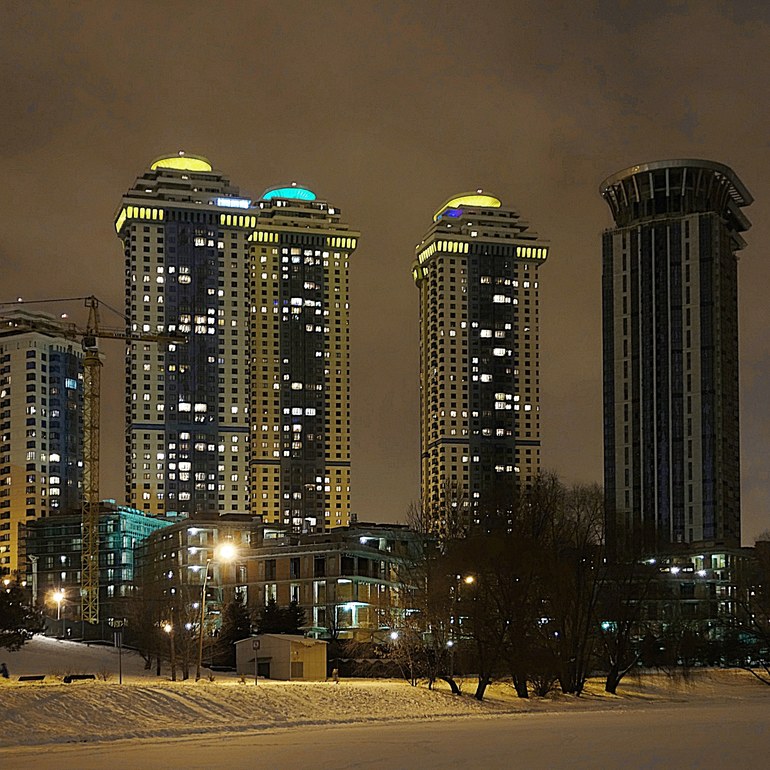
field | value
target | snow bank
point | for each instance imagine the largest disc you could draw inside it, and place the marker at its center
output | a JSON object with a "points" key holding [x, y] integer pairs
{"points": [[40, 713]]}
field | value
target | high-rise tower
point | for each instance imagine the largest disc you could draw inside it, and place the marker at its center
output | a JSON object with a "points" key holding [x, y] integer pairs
{"points": [[477, 272], [670, 320], [300, 364], [41, 442], [184, 229]]}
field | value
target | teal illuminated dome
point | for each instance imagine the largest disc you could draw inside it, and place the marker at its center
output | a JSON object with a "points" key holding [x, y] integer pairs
{"points": [[293, 191]]}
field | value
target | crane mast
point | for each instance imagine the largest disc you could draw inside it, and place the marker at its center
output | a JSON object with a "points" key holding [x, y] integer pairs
{"points": [[92, 379], [92, 373]]}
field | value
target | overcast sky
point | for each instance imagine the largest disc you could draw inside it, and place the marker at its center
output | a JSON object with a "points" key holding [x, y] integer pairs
{"points": [[386, 110]]}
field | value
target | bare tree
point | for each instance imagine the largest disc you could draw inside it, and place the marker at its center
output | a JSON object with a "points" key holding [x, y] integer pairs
{"points": [[573, 571], [620, 615]]}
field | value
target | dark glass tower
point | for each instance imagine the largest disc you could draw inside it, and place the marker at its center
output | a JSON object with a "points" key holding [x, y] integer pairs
{"points": [[300, 364], [670, 334], [477, 273], [185, 231]]}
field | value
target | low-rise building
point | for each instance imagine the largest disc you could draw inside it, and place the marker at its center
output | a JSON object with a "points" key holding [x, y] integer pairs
{"points": [[281, 656], [351, 582], [706, 588], [54, 546]]}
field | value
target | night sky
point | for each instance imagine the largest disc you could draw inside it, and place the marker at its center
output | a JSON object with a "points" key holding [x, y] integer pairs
{"points": [[386, 110]]}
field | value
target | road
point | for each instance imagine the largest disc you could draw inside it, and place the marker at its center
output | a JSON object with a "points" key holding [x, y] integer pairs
{"points": [[657, 736]]}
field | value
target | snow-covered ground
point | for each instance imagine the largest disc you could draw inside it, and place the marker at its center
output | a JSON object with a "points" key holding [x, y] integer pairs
{"points": [[146, 706], [668, 737]]}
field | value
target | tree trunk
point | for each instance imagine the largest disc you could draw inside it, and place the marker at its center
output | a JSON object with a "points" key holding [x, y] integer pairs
{"points": [[613, 679], [452, 685], [520, 684], [484, 680]]}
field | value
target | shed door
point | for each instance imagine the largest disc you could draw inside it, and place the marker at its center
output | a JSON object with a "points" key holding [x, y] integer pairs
{"points": [[297, 669]]}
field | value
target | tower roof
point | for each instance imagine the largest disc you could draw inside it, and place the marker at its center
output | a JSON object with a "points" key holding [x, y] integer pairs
{"points": [[476, 198], [674, 188], [737, 189], [181, 161], [292, 191]]}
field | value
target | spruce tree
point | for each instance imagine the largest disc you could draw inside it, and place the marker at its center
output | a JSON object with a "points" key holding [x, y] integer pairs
{"points": [[19, 621]]}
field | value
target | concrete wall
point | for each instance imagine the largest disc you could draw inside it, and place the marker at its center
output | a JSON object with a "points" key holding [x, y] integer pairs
{"points": [[308, 657]]}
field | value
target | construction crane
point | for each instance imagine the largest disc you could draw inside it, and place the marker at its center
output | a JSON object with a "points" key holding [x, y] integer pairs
{"points": [[92, 368]]}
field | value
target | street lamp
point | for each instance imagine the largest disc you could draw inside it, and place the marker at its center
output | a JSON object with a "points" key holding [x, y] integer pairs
{"points": [[225, 552], [455, 618], [169, 629], [58, 597]]}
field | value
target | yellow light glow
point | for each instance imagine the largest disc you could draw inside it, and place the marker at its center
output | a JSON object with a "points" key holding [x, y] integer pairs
{"points": [[226, 552], [182, 162], [120, 220], [58, 596], [470, 199]]}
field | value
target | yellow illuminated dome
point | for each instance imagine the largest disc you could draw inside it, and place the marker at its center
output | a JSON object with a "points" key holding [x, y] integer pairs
{"points": [[478, 198], [182, 162]]}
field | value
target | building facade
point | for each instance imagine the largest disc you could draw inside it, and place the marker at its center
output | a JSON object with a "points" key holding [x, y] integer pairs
{"points": [[300, 363], [55, 544], [477, 273], [41, 451], [184, 230], [670, 350], [350, 581]]}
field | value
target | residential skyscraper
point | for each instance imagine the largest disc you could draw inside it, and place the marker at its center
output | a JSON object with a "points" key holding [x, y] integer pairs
{"points": [[670, 321], [477, 273], [300, 364], [184, 229], [41, 445]]}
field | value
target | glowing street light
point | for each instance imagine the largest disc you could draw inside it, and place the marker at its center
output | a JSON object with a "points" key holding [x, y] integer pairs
{"points": [[58, 597], [169, 629], [454, 619], [394, 635], [225, 552]]}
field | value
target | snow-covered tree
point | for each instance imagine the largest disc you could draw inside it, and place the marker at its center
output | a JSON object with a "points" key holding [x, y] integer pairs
{"points": [[19, 621]]}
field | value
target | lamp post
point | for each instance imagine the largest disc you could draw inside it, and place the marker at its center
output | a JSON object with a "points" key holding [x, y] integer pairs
{"points": [[33, 561], [225, 552], [169, 629], [58, 597], [451, 644]]}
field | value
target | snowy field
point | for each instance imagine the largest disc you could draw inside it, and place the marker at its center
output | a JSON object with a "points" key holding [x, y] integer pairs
{"points": [[666, 737], [152, 722]]}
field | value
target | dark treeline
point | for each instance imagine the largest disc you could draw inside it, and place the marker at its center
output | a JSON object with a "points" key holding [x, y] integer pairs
{"points": [[526, 593]]}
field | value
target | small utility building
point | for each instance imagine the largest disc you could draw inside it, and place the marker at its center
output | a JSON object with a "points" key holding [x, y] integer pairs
{"points": [[282, 656]]}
